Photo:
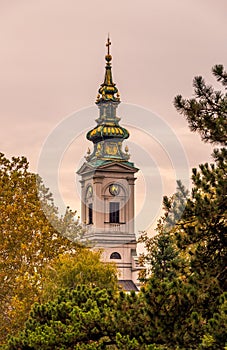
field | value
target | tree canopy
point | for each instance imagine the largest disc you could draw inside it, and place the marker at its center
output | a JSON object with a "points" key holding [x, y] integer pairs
{"points": [[82, 318], [186, 275], [28, 241], [85, 267]]}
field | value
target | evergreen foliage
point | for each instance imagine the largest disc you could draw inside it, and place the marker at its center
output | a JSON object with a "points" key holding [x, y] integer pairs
{"points": [[82, 318], [187, 303], [206, 112]]}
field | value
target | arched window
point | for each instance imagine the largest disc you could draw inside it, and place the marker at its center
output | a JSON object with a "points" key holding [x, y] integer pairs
{"points": [[115, 255]]}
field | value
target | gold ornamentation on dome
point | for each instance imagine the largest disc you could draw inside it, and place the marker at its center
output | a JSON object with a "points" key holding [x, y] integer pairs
{"points": [[93, 132], [111, 149], [126, 149], [98, 150]]}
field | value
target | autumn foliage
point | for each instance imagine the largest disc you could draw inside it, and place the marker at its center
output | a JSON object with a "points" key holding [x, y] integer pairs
{"points": [[28, 241]]}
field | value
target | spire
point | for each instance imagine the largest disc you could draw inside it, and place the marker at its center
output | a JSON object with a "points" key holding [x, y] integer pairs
{"points": [[107, 136], [108, 88]]}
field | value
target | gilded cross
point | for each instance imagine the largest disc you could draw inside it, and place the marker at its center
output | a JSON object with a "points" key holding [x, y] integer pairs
{"points": [[108, 45]]}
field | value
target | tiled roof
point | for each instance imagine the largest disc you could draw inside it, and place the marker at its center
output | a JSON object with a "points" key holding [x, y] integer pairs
{"points": [[128, 285]]}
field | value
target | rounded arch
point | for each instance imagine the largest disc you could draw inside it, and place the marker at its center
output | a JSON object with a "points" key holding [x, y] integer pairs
{"points": [[115, 255]]}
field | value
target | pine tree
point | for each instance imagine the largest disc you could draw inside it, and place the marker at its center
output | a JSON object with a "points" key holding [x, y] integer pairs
{"points": [[207, 112], [183, 298], [83, 318], [170, 297], [204, 220]]}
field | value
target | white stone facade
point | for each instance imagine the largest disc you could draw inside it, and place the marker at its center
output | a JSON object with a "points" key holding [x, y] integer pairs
{"points": [[116, 239]]}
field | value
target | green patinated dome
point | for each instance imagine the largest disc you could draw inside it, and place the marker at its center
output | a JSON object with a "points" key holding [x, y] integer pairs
{"points": [[107, 131]]}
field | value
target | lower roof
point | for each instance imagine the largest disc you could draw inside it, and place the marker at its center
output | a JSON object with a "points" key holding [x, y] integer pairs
{"points": [[128, 285]]}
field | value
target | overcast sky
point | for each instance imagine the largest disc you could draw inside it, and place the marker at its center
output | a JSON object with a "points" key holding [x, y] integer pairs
{"points": [[52, 63]]}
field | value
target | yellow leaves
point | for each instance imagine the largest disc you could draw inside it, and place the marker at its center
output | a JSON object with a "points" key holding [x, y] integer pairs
{"points": [[82, 267], [28, 241], [23, 246]]}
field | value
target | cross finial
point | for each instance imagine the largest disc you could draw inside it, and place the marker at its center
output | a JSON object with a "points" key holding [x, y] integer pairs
{"points": [[108, 45]]}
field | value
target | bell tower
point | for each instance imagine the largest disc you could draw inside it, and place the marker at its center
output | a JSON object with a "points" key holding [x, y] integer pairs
{"points": [[107, 185]]}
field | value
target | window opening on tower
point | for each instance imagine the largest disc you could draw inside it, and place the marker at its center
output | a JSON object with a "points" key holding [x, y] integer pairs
{"points": [[90, 214], [114, 212]]}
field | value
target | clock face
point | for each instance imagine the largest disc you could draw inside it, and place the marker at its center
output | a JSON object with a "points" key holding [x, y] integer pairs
{"points": [[114, 189], [89, 191]]}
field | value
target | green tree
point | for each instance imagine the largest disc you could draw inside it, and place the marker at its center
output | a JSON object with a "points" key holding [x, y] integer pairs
{"points": [[28, 241], [74, 318], [185, 278], [187, 259], [202, 229], [161, 257], [82, 318], [169, 297], [83, 268], [207, 111], [215, 328]]}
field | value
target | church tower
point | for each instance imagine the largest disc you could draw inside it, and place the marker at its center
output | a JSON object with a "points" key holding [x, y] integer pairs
{"points": [[107, 186]]}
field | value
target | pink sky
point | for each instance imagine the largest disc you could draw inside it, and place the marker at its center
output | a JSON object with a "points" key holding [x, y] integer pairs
{"points": [[52, 63]]}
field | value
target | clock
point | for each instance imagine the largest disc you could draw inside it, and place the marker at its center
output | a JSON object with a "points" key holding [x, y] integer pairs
{"points": [[114, 189]]}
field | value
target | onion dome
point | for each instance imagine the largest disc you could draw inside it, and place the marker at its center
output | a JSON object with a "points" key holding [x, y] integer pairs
{"points": [[104, 132]]}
